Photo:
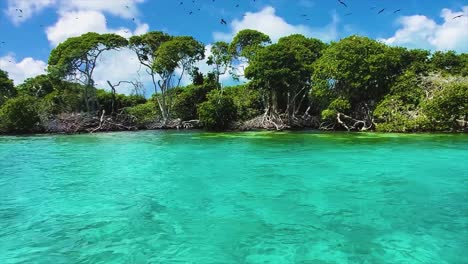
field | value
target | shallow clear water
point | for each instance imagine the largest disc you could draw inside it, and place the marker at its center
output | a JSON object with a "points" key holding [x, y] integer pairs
{"points": [[260, 197]]}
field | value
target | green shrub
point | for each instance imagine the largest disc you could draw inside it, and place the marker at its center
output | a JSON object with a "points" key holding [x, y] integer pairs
{"points": [[7, 88], [248, 101], [121, 101], [218, 112], [447, 106], [338, 105], [20, 114], [144, 114], [186, 101]]}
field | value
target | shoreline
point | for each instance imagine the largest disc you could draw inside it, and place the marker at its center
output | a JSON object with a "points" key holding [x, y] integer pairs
{"points": [[233, 131]]}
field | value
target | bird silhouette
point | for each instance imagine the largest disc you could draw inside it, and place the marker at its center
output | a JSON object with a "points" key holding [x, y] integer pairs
{"points": [[223, 22], [343, 3], [381, 11], [396, 11], [457, 17]]}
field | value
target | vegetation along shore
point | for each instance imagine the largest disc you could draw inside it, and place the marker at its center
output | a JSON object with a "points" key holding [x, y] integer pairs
{"points": [[355, 84]]}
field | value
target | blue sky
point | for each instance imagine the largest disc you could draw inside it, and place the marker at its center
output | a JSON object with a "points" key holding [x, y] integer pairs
{"points": [[31, 33]]}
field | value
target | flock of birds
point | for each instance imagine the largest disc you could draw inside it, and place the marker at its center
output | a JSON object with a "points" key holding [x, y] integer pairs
{"points": [[237, 5], [343, 3], [224, 22]]}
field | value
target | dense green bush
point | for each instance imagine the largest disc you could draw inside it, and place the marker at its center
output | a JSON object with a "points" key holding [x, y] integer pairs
{"points": [[38, 86], [186, 101], [7, 89], [248, 101], [218, 112], [121, 101], [447, 106], [339, 105], [144, 114], [20, 115]]}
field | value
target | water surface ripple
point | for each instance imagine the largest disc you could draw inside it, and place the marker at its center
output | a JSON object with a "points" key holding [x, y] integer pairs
{"points": [[257, 197]]}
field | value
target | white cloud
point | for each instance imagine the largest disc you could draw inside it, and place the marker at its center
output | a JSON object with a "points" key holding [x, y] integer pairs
{"points": [[114, 66], [19, 71], [121, 8], [76, 23], [225, 78], [422, 32], [120, 65], [268, 22], [21, 10]]}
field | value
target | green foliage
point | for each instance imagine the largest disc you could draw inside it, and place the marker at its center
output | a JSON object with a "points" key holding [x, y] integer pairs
{"points": [[447, 106], [38, 86], [144, 114], [450, 63], [179, 52], [339, 105], [185, 102], [7, 88], [220, 58], [357, 68], [81, 53], [77, 57], [197, 76], [20, 115], [393, 115], [394, 88], [121, 100], [248, 101], [147, 44], [283, 70], [218, 112], [67, 101], [247, 42]]}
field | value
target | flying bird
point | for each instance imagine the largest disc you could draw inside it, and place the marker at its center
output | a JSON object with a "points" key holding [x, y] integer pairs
{"points": [[381, 11], [343, 3], [223, 22], [457, 17], [396, 11]]}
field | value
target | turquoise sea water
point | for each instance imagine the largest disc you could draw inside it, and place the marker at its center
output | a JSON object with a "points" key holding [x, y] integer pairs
{"points": [[260, 197]]}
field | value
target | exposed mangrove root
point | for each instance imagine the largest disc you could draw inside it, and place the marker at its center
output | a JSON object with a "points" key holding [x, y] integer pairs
{"points": [[77, 122], [274, 121]]}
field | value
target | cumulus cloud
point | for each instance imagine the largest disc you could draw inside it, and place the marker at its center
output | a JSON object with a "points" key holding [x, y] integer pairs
{"points": [[422, 32], [268, 22], [18, 71], [70, 24], [114, 66]]}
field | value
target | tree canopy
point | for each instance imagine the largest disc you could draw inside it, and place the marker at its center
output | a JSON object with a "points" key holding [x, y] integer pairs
{"points": [[356, 83], [76, 58]]}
